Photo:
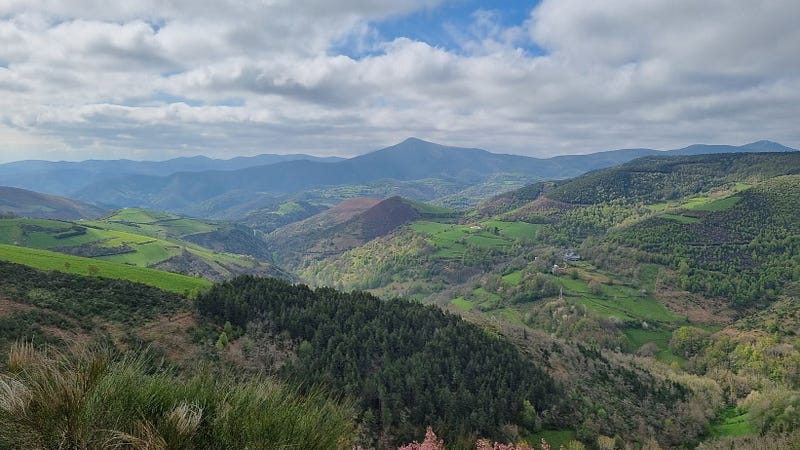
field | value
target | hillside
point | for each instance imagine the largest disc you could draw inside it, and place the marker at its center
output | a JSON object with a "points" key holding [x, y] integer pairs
{"points": [[464, 379], [58, 262], [89, 359], [664, 258], [148, 239], [24, 203], [348, 225]]}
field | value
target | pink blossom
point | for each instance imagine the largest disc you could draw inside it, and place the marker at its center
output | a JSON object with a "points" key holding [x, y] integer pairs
{"points": [[431, 442]]}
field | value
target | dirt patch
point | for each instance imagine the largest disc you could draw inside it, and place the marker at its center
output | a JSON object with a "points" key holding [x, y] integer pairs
{"points": [[188, 263], [696, 308], [9, 307], [171, 335], [70, 337]]}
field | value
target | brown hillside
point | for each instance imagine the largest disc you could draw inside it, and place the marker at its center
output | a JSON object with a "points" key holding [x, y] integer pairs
{"points": [[24, 203], [350, 208], [385, 217]]}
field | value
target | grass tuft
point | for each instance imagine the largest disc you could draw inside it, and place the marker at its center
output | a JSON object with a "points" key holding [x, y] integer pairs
{"points": [[93, 399]]}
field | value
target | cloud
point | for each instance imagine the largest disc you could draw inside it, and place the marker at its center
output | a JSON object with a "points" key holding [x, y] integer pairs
{"points": [[149, 79]]}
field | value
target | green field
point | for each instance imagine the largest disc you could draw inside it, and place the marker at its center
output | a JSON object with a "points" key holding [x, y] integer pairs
{"points": [[47, 260], [140, 216], [623, 302], [154, 224], [452, 240], [710, 203], [288, 207], [461, 303], [718, 205], [555, 438], [513, 278], [660, 337], [732, 422]]}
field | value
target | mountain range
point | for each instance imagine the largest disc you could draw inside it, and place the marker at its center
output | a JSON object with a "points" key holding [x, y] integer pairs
{"points": [[65, 178], [412, 159]]}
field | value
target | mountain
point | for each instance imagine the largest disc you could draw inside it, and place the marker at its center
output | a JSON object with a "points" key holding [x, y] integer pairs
{"points": [[348, 225], [24, 203], [412, 159], [65, 178]]}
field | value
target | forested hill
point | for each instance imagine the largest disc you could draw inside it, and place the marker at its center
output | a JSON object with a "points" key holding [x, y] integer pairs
{"points": [[651, 179], [410, 365], [660, 178], [743, 247]]}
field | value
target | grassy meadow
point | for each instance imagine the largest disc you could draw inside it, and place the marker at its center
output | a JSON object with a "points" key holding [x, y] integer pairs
{"points": [[47, 260]]}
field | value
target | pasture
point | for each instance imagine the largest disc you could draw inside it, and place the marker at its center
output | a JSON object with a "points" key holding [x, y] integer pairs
{"points": [[47, 260]]}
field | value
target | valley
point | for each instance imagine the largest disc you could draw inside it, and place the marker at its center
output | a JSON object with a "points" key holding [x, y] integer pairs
{"points": [[662, 289]]}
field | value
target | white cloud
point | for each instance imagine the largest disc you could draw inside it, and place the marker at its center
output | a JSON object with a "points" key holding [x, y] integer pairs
{"points": [[150, 78]]}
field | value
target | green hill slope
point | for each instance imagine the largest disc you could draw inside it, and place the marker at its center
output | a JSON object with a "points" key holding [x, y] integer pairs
{"points": [[47, 260], [148, 239]]}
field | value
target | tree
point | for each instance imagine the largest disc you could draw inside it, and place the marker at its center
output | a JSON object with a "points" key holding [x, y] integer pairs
{"points": [[594, 287], [688, 341], [606, 443], [222, 341], [93, 270]]}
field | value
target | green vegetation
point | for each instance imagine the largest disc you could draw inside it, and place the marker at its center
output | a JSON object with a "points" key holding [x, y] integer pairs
{"points": [[460, 302], [732, 422], [755, 238], [452, 241], [717, 205], [91, 399], [47, 260], [159, 240], [396, 356], [556, 438]]}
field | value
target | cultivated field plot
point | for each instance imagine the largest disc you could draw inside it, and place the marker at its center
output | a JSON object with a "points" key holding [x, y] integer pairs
{"points": [[451, 241]]}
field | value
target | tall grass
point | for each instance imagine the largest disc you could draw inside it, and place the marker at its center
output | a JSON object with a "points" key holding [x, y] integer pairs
{"points": [[90, 400]]}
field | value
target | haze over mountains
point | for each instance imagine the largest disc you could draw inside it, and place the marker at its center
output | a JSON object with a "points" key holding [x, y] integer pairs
{"points": [[178, 184], [64, 178]]}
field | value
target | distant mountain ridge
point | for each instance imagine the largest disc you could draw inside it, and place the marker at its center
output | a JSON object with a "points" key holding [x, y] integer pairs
{"points": [[412, 159], [64, 177], [25, 203]]}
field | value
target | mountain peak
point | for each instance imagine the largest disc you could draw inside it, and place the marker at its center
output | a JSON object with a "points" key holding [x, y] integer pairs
{"points": [[414, 140], [767, 146]]}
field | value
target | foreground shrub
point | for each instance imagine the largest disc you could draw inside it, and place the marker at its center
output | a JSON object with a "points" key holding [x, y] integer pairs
{"points": [[93, 400]]}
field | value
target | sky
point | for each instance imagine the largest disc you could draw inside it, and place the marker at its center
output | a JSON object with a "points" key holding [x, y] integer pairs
{"points": [[156, 79]]}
